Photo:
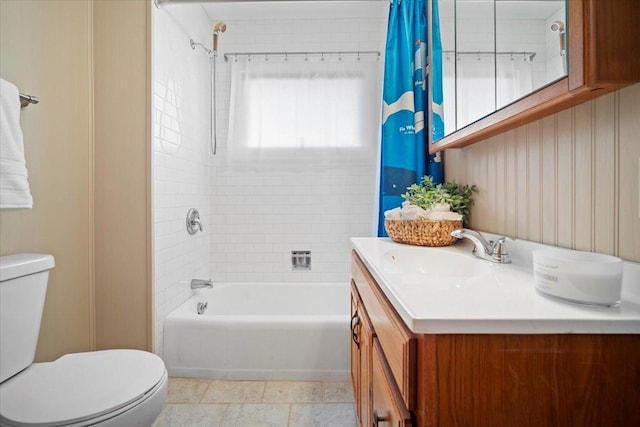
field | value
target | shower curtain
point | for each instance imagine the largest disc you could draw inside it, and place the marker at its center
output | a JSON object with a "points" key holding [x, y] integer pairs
{"points": [[403, 145], [475, 83], [434, 166], [437, 94], [514, 78]]}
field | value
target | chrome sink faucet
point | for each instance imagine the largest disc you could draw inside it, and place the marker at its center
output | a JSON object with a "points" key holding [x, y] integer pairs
{"points": [[199, 283], [493, 250]]}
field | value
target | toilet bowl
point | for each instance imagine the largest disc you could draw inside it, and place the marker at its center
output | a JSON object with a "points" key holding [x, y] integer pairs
{"points": [[104, 388]]}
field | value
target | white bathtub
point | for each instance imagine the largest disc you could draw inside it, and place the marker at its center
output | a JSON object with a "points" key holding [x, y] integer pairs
{"points": [[262, 331]]}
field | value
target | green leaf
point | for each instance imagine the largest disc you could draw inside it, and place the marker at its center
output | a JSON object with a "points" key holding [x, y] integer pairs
{"points": [[426, 194]]}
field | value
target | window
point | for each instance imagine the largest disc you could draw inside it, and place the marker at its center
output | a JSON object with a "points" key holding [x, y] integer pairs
{"points": [[303, 111]]}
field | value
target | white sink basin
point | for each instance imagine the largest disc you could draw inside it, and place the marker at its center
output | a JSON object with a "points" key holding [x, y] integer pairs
{"points": [[449, 290], [435, 262]]}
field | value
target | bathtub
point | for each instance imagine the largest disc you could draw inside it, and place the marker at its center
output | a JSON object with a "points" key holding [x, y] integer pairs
{"points": [[261, 331]]}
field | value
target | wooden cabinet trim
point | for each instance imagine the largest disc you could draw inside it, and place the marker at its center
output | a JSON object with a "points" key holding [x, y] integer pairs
{"points": [[427, 398], [610, 58], [575, 42]]}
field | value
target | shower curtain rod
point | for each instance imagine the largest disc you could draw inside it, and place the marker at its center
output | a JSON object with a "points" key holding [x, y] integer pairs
{"points": [[531, 55], [336, 52]]}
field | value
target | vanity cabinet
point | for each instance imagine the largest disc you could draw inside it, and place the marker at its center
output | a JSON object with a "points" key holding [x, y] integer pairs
{"points": [[493, 380]]}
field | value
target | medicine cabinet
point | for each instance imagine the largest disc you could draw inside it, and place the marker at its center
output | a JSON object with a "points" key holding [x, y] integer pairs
{"points": [[506, 63]]}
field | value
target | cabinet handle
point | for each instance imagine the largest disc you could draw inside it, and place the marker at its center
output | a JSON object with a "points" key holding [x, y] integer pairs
{"points": [[377, 418], [355, 321]]}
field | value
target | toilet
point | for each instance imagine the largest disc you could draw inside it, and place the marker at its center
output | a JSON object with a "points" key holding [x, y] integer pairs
{"points": [[103, 388]]}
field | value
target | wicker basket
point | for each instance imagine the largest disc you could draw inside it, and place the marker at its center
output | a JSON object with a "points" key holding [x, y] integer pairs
{"points": [[422, 232]]}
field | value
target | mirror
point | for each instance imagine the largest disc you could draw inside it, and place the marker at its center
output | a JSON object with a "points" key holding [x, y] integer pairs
{"points": [[493, 52]]}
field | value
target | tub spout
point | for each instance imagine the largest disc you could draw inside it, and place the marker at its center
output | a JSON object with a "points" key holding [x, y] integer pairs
{"points": [[199, 283]]}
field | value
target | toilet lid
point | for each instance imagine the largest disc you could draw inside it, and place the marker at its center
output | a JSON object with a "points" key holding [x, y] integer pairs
{"points": [[78, 386]]}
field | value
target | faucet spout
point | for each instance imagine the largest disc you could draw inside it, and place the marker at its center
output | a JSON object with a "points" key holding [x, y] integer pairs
{"points": [[494, 251], [480, 243], [199, 283]]}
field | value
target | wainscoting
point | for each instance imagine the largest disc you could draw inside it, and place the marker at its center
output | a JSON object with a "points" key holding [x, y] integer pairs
{"points": [[570, 179]]}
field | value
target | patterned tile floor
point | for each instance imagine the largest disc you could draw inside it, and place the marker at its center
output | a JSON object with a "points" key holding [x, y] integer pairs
{"points": [[216, 403]]}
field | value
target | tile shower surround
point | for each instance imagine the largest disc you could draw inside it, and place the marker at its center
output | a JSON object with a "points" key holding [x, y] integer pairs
{"points": [[181, 161], [251, 221], [258, 218]]}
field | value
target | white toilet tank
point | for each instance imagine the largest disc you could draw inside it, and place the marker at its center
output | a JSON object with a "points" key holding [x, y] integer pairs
{"points": [[23, 287]]}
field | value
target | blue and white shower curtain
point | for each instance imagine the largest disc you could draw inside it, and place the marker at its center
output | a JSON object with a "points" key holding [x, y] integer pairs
{"points": [[437, 94], [434, 165], [403, 148]]}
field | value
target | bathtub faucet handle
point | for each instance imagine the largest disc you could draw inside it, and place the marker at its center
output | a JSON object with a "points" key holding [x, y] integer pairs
{"points": [[199, 283], [194, 224]]}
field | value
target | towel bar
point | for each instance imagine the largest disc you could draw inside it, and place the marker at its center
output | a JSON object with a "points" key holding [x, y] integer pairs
{"points": [[25, 100]]}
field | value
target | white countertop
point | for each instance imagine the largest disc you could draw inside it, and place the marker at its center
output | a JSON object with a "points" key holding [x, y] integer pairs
{"points": [[483, 297]]}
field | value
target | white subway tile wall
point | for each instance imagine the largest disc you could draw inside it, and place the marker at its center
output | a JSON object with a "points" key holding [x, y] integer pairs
{"points": [[181, 159], [260, 217], [252, 221]]}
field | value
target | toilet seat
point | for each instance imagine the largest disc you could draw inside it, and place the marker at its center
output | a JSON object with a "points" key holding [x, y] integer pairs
{"points": [[80, 388]]}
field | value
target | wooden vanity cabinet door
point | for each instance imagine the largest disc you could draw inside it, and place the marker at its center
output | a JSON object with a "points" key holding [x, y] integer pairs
{"points": [[355, 350], [361, 347], [387, 404], [366, 350]]}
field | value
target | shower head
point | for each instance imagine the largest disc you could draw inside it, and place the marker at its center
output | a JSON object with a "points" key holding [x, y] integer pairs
{"points": [[218, 28], [557, 26], [194, 44]]}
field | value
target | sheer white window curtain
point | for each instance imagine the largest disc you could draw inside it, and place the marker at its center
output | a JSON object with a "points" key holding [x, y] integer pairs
{"points": [[477, 85], [514, 76], [303, 112]]}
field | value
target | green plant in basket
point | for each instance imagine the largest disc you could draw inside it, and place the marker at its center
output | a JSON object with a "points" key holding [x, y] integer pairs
{"points": [[426, 194]]}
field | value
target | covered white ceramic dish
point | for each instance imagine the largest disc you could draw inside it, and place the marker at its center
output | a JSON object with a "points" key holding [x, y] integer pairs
{"points": [[579, 277]]}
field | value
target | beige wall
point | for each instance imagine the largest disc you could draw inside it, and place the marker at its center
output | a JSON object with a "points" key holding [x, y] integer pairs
{"points": [[123, 223], [89, 173], [45, 49], [571, 179]]}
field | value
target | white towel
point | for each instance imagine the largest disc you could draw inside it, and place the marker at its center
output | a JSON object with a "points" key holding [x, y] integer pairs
{"points": [[444, 216], [395, 213], [411, 211], [442, 211], [14, 186]]}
